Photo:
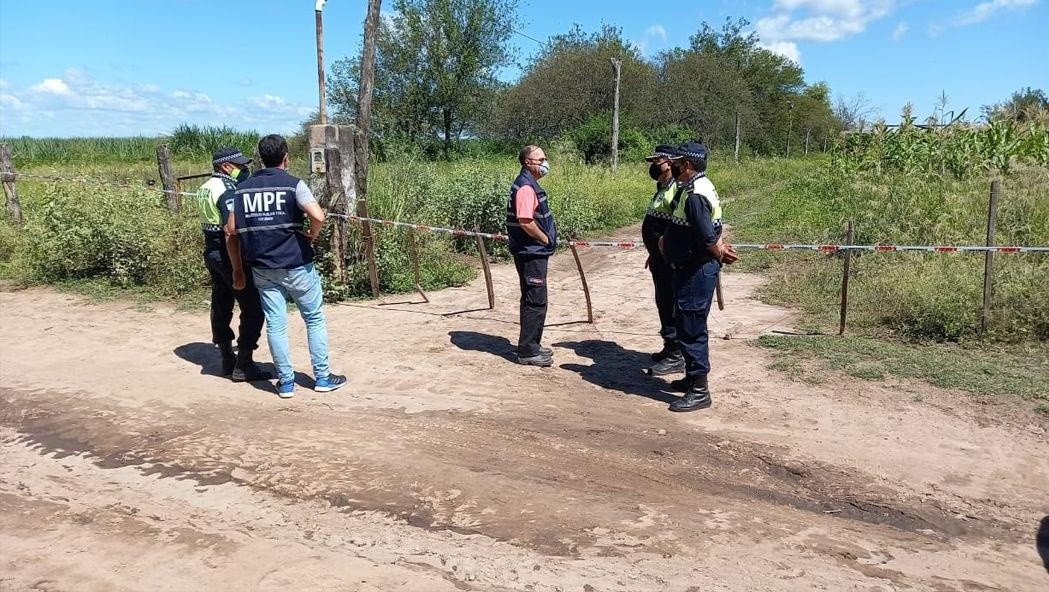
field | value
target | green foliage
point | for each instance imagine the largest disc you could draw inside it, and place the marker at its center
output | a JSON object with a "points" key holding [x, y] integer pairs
{"points": [[124, 236], [193, 141], [1021, 373], [593, 139], [919, 296], [436, 69], [26, 151], [961, 150]]}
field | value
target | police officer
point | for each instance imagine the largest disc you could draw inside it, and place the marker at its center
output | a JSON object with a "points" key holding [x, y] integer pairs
{"points": [[660, 210], [266, 231], [695, 251], [532, 237], [230, 166]]}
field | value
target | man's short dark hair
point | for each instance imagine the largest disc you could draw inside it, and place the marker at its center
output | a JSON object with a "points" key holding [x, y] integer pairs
{"points": [[273, 148], [526, 152]]}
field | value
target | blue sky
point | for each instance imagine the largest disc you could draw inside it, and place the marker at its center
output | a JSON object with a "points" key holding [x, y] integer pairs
{"points": [[117, 67]]}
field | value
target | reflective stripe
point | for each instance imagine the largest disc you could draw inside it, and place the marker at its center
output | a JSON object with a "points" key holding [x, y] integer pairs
{"points": [[211, 228], [270, 227]]}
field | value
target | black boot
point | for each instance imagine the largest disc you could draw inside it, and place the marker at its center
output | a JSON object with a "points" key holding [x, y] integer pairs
{"points": [[247, 369], [697, 397], [671, 364], [668, 350], [229, 359]]}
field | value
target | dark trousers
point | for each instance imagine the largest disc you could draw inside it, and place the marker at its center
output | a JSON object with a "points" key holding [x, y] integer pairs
{"points": [[222, 298], [531, 271], [663, 281], [694, 291]]}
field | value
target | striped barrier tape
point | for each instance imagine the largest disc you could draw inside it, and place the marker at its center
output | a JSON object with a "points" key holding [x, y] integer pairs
{"points": [[822, 248]]}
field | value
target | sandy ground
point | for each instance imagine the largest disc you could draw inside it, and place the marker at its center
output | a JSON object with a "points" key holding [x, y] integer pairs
{"points": [[128, 465]]}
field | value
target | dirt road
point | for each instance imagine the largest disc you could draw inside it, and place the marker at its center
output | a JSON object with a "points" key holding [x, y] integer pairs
{"points": [[127, 465]]}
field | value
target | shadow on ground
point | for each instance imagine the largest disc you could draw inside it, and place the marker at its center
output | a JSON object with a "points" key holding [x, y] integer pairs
{"points": [[206, 355], [490, 344], [616, 368]]}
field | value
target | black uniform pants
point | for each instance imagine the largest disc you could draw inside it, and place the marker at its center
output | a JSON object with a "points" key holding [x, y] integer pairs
{"points": [[531, 270], [663, 281], [222, 298], [694, 291]]}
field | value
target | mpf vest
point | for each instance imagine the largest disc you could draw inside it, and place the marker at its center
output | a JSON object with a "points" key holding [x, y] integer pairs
{"points": [[519, 241], [269, 221]]}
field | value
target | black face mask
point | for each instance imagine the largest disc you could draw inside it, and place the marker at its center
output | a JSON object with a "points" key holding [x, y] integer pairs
{"points": [[655, 171], [675, 169]]}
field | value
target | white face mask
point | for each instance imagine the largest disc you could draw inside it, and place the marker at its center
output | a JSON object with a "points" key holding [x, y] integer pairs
{"points": [[544, 168]]}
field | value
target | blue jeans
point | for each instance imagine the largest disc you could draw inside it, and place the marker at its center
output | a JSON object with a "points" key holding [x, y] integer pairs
{"points": [[303, 284]]}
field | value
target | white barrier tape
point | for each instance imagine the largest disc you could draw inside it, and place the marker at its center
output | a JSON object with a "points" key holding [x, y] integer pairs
{"points": [[824, 248]]}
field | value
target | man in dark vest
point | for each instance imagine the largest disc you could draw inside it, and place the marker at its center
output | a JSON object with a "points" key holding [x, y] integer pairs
{"points": [[230, 167], [660, 210], [532, 237], [266, 231], [694, 248]]}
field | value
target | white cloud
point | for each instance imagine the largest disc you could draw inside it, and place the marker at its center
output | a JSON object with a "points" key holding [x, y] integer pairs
{"points": [[986, 10], [787, 49], [54, 86], [76, 104], [900, 30], [4, 84], [819, 21], [656, 31]]}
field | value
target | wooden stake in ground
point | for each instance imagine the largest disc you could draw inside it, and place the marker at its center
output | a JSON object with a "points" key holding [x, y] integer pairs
{"points": [[850, 236], [617, 67], [486, 266], [988, 263], [586, 287], [7, 168], [167, 178]]}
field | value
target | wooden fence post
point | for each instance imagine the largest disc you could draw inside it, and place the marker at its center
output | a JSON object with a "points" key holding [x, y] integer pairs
{"points": [[167, 178], [486, 266], [586, 288], [850, 236], [414, 248], [337, 206], [988, 262], [7, 168]]}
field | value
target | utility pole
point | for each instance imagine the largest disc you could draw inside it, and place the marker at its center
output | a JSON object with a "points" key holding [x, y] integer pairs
{"points": [[364, 124], [321, 87], [790, 124], [617, 66], [739, 129]]}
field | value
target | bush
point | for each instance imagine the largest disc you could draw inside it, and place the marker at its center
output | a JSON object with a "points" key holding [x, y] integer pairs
{"points": [[124, 236]]}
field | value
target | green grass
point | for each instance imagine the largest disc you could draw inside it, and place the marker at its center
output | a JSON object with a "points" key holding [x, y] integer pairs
{"points": [[983, 371]]}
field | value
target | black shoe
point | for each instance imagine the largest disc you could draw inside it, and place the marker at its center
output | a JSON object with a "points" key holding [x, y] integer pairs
{"points": [[247, 370], [538, 360], [693, 400], [697, 397], [229, 359], [667, 351], [671, 364], [680, 385], [543, 351]]}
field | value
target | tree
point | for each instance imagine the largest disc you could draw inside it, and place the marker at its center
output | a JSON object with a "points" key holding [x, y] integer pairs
{"points": [[436, 69], [853, 113], [1027, 104], [572, 79]]}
